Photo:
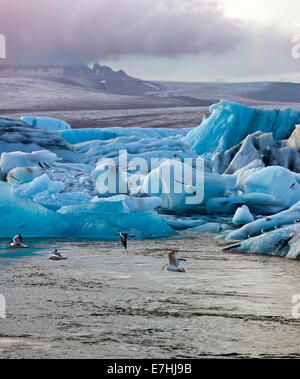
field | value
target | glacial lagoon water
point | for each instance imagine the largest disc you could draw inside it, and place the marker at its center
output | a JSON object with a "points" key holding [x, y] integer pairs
{"points": [[102, 303]]}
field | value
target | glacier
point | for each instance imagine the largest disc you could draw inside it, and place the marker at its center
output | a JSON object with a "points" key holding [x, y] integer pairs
{"points": [[236, 175]]}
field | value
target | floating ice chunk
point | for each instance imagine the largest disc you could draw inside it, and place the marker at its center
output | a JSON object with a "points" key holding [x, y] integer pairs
{"points": [[38, 185], [91, 220], [276, 181], [265, 224], [15, 159], [242, 216], [283, 242], [230, 123], [46, 123]]}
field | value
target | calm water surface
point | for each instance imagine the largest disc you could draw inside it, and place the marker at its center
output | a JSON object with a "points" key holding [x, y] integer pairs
{"points": [[101, 303]]}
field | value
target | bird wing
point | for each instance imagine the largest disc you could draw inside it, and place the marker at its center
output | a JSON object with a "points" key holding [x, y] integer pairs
{"points": [[187, 185], [18, 180], [48, 167], [173, 259], [41, 166]]}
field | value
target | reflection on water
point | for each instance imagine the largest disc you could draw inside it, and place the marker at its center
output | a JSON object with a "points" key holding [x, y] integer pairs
{"points": [[102, 303]]}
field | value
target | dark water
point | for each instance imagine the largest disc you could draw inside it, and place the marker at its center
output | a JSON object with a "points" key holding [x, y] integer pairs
{"points": [[101, 303]]}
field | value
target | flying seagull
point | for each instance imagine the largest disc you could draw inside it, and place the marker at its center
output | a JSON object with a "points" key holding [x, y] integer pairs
{"points": [[189, 186], [45, 166], [18, 180], [174, 263], [124, 237]]}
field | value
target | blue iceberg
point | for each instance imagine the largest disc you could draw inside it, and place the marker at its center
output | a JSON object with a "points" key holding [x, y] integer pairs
{"points": [[230, 123], [101, 219]]}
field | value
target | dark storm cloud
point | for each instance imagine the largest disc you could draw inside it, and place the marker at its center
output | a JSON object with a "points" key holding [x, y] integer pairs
{"points": [[85, 30]]}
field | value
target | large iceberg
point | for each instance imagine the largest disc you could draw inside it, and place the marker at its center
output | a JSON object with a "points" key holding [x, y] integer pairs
{"points": [[103, 218], [230, 123]]}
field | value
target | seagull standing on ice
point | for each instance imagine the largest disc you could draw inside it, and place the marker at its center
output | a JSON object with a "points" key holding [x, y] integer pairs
{"points": [[174, 262], [56, 256], [124, 237]]}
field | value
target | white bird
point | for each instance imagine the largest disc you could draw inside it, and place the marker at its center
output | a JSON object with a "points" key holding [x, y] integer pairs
{"points": [[56, 256], [18, 243], [174, 262]]}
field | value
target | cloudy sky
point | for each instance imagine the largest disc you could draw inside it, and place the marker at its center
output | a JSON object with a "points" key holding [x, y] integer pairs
{"points": [[183, 40]]}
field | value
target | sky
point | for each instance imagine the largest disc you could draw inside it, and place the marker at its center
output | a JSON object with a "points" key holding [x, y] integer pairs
{"points": [[178, 40]]}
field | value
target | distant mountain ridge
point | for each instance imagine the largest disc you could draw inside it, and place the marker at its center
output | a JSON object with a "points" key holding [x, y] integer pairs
{"points": [[98, 77], [105, 80]]}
